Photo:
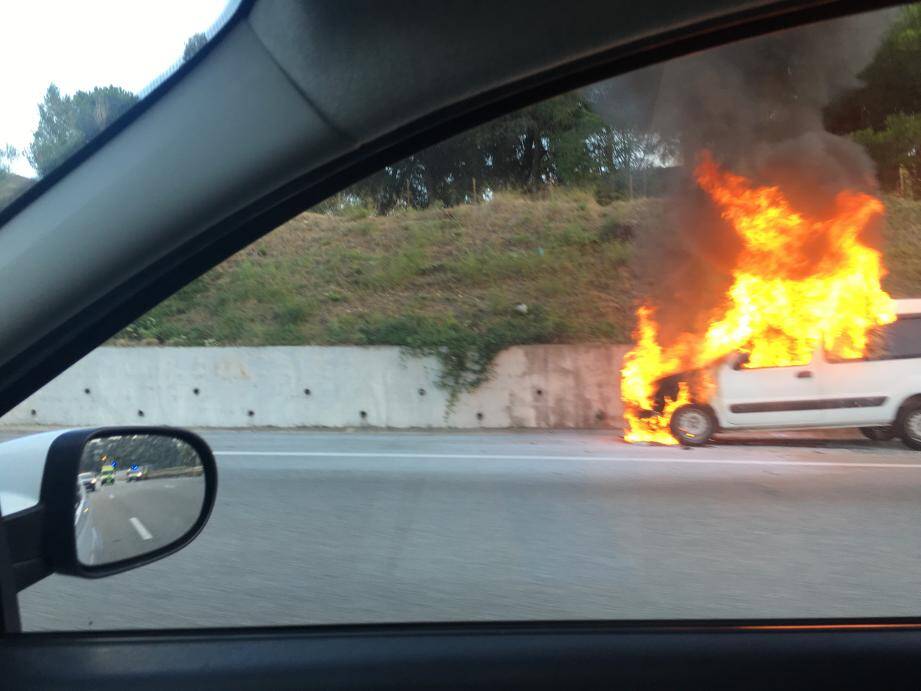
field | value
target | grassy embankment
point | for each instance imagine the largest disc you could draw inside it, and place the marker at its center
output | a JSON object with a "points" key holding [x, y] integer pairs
{"points": [[446, 281], [11, 186]]}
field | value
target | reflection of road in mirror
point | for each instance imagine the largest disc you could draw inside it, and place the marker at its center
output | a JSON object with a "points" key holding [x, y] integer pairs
{"points": [[152, 495]]}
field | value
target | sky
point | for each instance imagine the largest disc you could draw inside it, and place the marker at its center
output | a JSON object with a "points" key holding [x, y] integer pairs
{"points": [[82, 44]]}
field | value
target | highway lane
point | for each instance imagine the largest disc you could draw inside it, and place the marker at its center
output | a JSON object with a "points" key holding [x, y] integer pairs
{"points": [[128, 518], [323, 527]]}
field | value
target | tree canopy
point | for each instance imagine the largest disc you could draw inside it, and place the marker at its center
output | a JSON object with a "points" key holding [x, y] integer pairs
{"points": [[884, 113], [68, 122], [561, 141], [7, 155], [195, 43], [890, 84]]}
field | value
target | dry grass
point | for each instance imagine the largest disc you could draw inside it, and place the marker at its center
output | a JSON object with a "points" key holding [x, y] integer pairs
{"points": [[330, 279], [902, 247], [450, 275], [11, 186]]}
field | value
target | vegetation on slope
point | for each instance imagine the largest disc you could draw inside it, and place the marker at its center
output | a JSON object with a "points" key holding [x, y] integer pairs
{"points": [[460, 283]]}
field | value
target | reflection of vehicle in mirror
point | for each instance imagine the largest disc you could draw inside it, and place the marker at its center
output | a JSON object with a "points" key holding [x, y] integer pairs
{"points": [[138, 521], [107, 475], [135, 473], [879, 393], [89, 481]]}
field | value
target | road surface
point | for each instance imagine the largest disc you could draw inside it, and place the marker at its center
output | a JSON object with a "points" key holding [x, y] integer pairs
{"points": [[323, 527], [126, 519]]}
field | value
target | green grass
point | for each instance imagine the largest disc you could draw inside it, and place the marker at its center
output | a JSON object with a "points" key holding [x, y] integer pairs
{"points": [[422, 279], [459, 284], [447, 278], [902, 247]]}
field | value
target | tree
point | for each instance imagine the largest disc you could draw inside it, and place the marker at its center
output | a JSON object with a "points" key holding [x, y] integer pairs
{"points": [[195, 43], [626, 154], [7, 155], [891, 82], [541, 145], [68, 122], [895, 145], [545, 144]]}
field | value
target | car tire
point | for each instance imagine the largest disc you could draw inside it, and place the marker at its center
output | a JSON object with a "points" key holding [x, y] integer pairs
{"points": [[909, 426], [878, 433], [692, 425]]}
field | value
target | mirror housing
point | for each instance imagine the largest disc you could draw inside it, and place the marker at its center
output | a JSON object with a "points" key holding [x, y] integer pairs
{"points": [[43, 538]]}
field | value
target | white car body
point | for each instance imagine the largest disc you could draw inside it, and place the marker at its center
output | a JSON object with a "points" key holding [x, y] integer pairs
{"points": [[822, 393]]}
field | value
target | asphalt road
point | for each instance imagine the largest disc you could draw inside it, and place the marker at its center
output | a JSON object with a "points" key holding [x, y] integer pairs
{"points": [[126, 519], [323, 527]]}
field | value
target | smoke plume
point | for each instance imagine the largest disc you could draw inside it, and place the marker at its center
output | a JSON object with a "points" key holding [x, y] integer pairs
{"points": [[757, 106]]}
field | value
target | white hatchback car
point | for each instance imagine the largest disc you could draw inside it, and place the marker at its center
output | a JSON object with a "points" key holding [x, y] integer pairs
{"points": [[880, 393]]}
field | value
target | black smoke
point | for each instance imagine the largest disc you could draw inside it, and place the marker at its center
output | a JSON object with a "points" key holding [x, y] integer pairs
{"points": [[757, 106]]}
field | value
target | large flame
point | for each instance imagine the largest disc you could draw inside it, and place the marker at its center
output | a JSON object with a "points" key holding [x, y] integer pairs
{"points": [[798, 281]]}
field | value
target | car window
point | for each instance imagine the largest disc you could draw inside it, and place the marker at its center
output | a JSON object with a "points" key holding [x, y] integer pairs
{"points": [[480, 384], [66, 80], [896, 341], [901, 339]]}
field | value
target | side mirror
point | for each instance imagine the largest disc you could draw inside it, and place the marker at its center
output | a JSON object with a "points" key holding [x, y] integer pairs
{"points": [[741, 360], [113, 499]]}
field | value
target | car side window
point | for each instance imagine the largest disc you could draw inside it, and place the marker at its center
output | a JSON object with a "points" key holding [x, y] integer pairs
{"points": [[454, 390], [899, 340], [896, 341]]}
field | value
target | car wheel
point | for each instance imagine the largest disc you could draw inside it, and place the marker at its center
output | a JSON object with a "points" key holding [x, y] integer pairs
{"points": [[909, 427], [878, 433], [692, 425]]}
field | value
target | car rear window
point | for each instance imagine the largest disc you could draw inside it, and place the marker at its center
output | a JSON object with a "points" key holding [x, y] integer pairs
{"points": [[901, 339], [896, 341]]}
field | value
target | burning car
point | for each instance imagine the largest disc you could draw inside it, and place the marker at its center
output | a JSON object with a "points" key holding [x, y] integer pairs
{"points": [[879, 392], [803, 335]]}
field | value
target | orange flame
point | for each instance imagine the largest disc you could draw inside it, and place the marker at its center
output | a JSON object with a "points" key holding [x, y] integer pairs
{"points": [[783, 302]]}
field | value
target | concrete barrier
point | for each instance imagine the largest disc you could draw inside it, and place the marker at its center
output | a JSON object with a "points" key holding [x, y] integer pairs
{"points": [[547, 386]]}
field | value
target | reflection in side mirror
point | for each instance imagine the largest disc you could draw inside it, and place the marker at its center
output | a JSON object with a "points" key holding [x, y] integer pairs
{"points": [[136, 493], [116, 498]]}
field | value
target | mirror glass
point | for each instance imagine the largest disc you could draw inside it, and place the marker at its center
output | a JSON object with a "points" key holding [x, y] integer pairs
{"points": [[135, 494]]}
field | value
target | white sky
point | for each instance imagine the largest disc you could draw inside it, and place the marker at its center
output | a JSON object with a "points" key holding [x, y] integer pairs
{"points": [[80, 44]]}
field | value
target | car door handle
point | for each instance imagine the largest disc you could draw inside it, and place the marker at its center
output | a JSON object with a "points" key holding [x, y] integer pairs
{"points": [[804, 374]]}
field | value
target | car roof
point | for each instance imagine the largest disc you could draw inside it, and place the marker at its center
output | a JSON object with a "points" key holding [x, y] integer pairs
{"points": [[908, 306]]}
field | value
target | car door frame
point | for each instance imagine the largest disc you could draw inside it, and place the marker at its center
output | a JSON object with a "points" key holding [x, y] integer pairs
{"points": [[708, 654], [788, 396]]}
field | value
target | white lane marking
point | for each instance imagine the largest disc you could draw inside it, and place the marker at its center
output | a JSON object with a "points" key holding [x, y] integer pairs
{"points": [[142, 531], [606, 459]]}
